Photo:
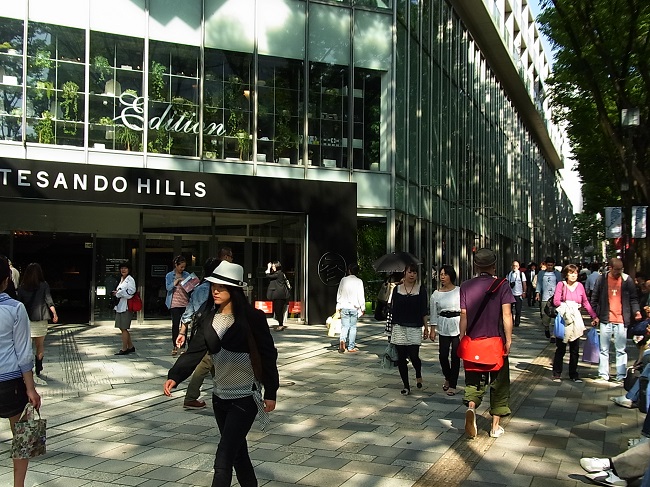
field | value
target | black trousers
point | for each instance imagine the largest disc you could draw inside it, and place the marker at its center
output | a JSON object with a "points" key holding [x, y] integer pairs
{"points": [[517, 309], [558, 360], [234, 419], [279, 306], [450, 369]]}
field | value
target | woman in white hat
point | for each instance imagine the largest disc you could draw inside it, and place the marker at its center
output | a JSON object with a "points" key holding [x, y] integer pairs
{"points": [[245, 362]]}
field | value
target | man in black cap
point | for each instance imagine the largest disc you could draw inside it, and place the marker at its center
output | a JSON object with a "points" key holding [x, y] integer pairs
{"points": [[486, 312]]}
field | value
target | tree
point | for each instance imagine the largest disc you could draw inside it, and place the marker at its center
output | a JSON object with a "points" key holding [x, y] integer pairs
{"points": [[602, 52]]}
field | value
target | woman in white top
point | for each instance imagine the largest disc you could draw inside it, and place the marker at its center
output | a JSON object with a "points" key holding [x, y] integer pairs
{"points": [[445, 321]]}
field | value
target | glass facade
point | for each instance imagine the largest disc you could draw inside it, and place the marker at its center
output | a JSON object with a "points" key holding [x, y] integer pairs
{"points": [[393, 96]]}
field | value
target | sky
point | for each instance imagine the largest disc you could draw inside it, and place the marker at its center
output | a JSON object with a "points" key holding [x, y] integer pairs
{"points": [[570, 179]]}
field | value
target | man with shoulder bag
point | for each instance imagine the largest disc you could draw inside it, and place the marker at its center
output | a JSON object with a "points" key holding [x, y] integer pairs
{"points": [[545, 290], [486, 335]]}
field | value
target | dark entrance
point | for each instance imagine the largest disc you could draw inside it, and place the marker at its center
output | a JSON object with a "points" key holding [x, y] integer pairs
{"points": [[66, 259]]}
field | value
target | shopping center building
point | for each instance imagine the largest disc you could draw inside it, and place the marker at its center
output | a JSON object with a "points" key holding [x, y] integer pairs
{"points": [[139, 130]]}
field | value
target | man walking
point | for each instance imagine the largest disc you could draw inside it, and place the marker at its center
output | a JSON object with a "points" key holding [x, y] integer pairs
{"points": [[517, 280], [615, 300], [485, 303], [350, 303], [531, 272], [546, 282]]}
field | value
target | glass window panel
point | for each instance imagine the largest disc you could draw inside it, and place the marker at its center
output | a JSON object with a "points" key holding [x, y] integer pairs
{"points": [[372, 40], [173, 99], [11, 79], [115, 69], [374, 3], [280, 110], [369, 112], [129, 19], [329, 34], [168, 22], [281, 28], [228, 25], [55, 84], [327, 115], [227, 111], [400, 101], [414, 115]]}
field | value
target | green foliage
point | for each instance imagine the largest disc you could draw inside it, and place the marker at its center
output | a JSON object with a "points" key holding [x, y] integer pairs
{"points": [[70, 105], [102, 67], [162, 143], [44, 88], [157, 81], [587, 230], [129, 139], [601, 67], [45, 128], [371, 244]]}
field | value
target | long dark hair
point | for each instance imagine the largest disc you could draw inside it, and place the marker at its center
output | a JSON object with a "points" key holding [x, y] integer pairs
{"points": [[450, 271], [32, 277], [241, 310]]}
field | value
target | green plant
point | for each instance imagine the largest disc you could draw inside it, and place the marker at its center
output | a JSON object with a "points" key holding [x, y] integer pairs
{"points": [[44, 88], [244, 144], [45, 128], [127, 137], [285, 139], [70, 105], [162, 144], [103, 67], [42, 59], [106, 121], [5, 46], [183, 106], [157, 81]]}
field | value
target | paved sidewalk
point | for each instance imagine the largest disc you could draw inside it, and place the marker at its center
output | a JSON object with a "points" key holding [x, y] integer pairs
{"points": [[340, 420]]}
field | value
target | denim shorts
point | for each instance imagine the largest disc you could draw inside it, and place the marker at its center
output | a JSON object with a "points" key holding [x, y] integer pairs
{"points": [[13, 397]]}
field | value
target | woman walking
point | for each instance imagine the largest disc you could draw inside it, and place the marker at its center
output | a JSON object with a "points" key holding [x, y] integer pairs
{"points": [[570, 296], [124, 291], [445, 322], [245, 362], [409, 317], [34, 293], [176, 299], [17, 385], [278, 292]]}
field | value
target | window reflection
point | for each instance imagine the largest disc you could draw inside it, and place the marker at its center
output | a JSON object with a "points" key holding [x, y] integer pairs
{"points": [[11, 79]]}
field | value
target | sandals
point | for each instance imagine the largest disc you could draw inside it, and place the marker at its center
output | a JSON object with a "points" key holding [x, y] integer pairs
{"points": [[418, 382], [445, 387], [174, 352], [451, 392]]}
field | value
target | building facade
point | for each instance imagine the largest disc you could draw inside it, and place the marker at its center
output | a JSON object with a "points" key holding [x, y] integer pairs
{"points": [[141, 130]]}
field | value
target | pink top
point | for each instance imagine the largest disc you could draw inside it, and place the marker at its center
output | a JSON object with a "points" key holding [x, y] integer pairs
{"points": [[578, 295]]}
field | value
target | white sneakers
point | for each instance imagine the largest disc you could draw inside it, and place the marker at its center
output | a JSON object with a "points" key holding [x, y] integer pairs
{"points": [[470, 422], [497, 432], [593, 464], [623, 402], [606, 478], [600, 472]]}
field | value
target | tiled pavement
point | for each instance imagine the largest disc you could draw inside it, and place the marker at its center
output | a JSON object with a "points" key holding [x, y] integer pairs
{"points": [[340, 420]]}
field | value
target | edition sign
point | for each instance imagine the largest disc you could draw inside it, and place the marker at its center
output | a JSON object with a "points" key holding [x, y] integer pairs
{"points": [[170, 120]]}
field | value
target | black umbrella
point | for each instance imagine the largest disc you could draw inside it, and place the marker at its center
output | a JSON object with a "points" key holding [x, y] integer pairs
{"points": [[394, 262]]}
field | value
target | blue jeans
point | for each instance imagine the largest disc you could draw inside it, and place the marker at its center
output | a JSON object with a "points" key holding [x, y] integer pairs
{"points": [[349, 327], [633, 393], [607, 330]]}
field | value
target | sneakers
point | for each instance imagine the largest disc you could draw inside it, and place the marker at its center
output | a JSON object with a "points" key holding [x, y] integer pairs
{"points": [[607, 478], [196, 404], [470, 422], [623, 402], [593, 464], [405, 391], [497, 432], [556, 378]]}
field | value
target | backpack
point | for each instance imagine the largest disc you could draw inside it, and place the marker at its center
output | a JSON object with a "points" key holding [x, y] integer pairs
{"points": [[134, 303]]}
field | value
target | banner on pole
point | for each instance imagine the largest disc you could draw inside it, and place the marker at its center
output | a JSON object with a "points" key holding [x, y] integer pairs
{"points": [[613, 222], [639, 221]]}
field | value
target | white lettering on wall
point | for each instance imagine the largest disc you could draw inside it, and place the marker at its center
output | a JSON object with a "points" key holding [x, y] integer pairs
{"points": [[22, 177], [101, 183], [170, 120]]}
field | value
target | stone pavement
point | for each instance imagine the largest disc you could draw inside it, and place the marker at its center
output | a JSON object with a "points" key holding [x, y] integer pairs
{"points": [[340, 420]]}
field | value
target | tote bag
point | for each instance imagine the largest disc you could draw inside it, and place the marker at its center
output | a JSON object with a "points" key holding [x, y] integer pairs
{"points": [[559, 327], [591, 351], [29, 439]]}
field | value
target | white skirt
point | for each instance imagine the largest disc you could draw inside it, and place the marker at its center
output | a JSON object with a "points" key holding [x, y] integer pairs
{"points": [[38, 328], [406, 335]]}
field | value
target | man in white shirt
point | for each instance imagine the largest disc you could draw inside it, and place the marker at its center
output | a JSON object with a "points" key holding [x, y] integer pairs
{"points": [[517, 280], [350, 303]]}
